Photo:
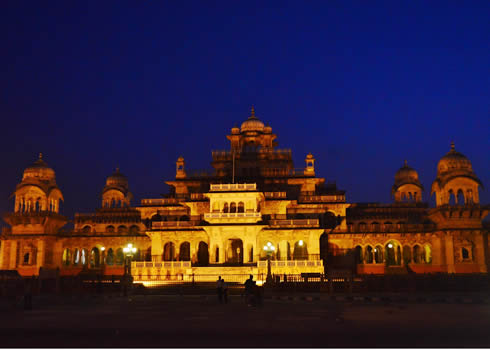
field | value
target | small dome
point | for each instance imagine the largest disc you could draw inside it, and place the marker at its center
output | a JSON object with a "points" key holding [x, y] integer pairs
{"points": [[406, 175], [39, 169], [117, 179], [454, 161], [252, 123]]}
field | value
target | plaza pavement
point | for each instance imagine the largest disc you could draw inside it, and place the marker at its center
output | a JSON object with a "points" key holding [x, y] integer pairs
{"points": [[200, 321]]}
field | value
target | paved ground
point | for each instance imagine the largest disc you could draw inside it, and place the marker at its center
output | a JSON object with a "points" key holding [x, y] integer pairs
{"points": [[199, 321]]}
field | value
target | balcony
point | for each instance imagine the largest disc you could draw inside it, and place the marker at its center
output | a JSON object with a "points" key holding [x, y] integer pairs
{"points": [[163, 225], [273, 195], [322, 199], [294, 223], [232, 217], [233, 187], [159, 201]]}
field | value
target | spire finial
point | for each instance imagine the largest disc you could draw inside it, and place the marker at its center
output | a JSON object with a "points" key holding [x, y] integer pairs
{"points": [[40, 156], [252, 112], [452, 145], [406, 163], [117, 169]]}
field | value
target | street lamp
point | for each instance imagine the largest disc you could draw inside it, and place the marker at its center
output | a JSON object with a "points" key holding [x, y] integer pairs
{"points": [[129, 250], [269, 249]]}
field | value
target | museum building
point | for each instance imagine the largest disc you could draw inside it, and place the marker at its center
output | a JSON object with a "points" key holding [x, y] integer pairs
{"points": [[252, 207]]}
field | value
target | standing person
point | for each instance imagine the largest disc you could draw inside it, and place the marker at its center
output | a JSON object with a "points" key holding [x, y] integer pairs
{"points": [[219, 289], [225, 291], [249, 289]]}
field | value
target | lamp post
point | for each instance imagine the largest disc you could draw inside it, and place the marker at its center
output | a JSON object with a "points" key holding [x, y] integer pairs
{"points": [[269, 249], [128, 251]]}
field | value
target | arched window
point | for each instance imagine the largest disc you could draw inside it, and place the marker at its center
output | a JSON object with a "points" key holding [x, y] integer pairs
{"points": [[375, 227], [185, 251], [460, 197], [300, 251], [417, 252], [427, 254], [388, 226], [169, 252], [452, 198], [225, 208], [400, 226], [119, 257], [368, 255], [465, 253], [109, 229], [241, 207], [66, 257], [26, 259], [362, 227], [76, 257], [134, 229], [392, 253], [378, 254], [122, 229], [148, 254], [84, 256], [86, 229], [94, 257], [232, 207], [110, 257]]}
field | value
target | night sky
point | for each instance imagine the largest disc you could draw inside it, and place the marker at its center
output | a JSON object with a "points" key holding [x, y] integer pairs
{"points": [[362, 85]]}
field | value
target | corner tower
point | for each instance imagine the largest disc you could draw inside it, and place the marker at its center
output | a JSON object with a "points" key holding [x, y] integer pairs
{"points": [[37, 198], [116, 191], [407, 187], [456, 183]]}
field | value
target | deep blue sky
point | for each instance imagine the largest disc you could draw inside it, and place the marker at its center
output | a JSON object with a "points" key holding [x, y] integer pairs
{"points": [[362, 85]]}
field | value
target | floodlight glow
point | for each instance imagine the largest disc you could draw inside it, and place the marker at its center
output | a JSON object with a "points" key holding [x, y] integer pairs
{"points": [[390, 245], [300, 242], [269, 244]]}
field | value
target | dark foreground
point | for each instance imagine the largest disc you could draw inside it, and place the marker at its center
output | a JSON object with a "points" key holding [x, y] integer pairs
{"points": [[199, 321]]}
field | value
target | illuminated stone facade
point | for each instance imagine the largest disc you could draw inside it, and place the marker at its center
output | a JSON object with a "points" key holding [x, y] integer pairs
{"points": [[219, 222]]}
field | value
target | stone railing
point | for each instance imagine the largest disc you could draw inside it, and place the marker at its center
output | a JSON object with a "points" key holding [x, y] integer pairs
{"points": [[159, 201], [231, 215], [163, 264], [290, 263], [155, 225], [322, 198], [271, 195], [233, 187], [295, 222]]}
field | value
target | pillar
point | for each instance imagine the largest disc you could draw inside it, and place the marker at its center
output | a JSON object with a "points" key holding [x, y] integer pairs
{"points": [[449, 252], [58, 254], [480, 252], [2, 254], [193, 251], [437, 251], [283, 247], [40, 253], [13, 255]]}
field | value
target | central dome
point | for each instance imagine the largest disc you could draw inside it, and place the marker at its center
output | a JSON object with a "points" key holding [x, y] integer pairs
{"points": [[39, 169], [252, 123], [454, 161], [406, 175], [117, 179]]}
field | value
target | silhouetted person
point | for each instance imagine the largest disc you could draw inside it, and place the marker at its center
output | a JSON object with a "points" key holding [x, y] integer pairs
{"points": [[249, 290], [219, 289]]}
